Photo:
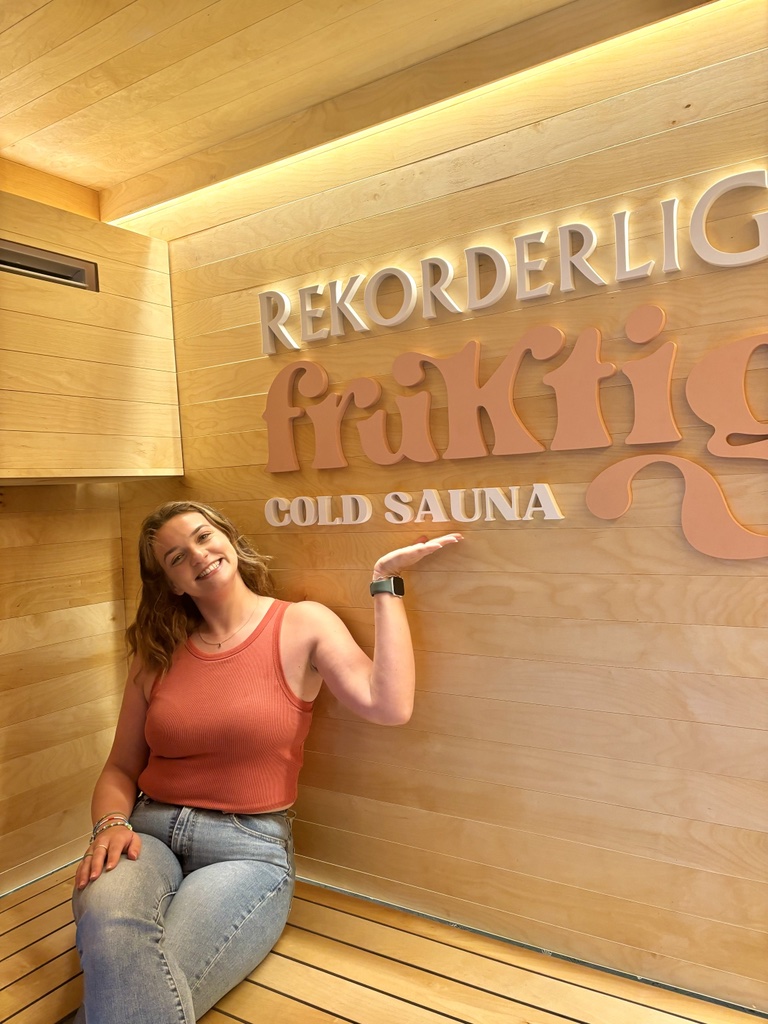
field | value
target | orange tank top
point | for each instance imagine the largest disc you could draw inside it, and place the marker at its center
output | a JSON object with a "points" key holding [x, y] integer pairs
{"points": [[225, 730]]}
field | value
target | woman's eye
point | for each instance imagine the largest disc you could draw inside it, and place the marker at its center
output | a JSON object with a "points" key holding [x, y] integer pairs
{"points": [[176, 559], [203, 536]]}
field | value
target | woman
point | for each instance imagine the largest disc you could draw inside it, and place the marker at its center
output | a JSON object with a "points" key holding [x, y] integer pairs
{"points": [[181, 894]]}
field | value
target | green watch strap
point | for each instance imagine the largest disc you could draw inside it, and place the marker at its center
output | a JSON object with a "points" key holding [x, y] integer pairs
{"points": [[390, 585]]}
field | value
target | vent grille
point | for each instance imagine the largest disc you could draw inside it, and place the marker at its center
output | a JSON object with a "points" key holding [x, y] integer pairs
{"points": [[43, 265]]}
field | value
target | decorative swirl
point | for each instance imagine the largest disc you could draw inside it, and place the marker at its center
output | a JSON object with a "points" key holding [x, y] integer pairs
{"points": [[707, 523]]}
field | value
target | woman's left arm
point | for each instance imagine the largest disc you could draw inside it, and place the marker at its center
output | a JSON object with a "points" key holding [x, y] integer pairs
{"points": [[380, 690]]}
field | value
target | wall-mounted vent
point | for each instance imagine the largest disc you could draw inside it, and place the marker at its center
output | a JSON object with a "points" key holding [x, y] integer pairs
{"points": [[48, 266]]}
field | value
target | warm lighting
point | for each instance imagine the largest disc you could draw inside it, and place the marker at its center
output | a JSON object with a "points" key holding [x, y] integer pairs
{"points": [[341, 160]]}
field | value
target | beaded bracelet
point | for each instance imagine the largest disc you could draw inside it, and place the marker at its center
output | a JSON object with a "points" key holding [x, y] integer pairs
{"points": [[110, 824], [110, 817]]}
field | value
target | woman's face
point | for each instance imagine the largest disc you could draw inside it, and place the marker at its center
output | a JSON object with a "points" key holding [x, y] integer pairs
{"points": [[197, 557]]}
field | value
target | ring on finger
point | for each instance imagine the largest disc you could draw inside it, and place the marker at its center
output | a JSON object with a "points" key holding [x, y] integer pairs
{"points": [[85, 855], [100, 847]]}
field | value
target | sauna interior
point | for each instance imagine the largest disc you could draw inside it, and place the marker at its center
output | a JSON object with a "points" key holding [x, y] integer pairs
{"points": [[368, 271]]}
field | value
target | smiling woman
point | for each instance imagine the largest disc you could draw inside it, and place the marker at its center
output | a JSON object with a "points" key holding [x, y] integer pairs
{"points": [[190, 885]]}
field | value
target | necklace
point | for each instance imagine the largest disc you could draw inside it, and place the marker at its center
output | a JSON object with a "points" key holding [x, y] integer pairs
{"points": [[217, 644]]}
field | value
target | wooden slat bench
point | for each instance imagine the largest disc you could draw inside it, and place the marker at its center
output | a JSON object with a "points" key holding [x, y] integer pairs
{"points": [[347, 959]]}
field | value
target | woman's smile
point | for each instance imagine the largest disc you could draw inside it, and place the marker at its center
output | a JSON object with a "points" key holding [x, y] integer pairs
{"points": [[210, 569]]}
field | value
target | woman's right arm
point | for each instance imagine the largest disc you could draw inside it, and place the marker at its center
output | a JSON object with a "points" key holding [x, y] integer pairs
{"points": [[116, 788]]}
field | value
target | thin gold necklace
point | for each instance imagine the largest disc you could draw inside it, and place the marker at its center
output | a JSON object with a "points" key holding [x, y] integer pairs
{"points": [[214, 643]]}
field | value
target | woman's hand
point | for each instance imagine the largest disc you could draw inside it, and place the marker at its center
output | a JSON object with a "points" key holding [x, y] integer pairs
{"points": [[393, 562], [104, 853]]}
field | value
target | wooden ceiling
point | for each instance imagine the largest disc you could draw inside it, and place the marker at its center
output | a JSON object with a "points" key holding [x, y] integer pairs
{"points": [[148, 100]]}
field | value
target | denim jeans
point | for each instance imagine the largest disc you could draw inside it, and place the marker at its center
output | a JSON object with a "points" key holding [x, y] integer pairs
{"points": [[162, 938]]}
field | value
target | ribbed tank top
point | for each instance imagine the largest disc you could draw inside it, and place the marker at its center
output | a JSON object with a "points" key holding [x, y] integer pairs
{"points": [[225, 730]]}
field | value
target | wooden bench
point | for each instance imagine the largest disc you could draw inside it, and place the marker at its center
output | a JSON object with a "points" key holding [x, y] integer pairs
{"points": [[347, 959]]}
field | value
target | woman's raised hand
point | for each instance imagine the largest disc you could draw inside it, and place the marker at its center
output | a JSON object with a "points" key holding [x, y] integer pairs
{"points": [[395, 561]]}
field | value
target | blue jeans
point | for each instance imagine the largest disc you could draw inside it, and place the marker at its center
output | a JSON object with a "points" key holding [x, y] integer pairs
{"points": [[162, 938]]}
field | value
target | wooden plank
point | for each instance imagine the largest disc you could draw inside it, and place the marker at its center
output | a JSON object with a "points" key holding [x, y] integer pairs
{"points": [[337, 948], [548, 34], [605, 986], [538, 145], [59, 497], [252, 1003], [716, 649], [124, 28], [662, 790], [47, 27], [23, 530], [626, 598], [32, 183], [685, 696], [463, 984], [721, 750], [105, 654], [34, 563], [587, 948], [47, 336], [27, 455], [29, 631], [729, 752], [34, 901], [35, 929], [76, 752], [24, 703], [39, 887], [63, 1000], [98, 309], [116, 277], [20, 850], [526, 548], [43, 980], [350, 1000], [39, 802], [186, 86], [13, 13], [669, 887], [288, 80], [574, 184], [23, 412], [61, 228], [191, 24], [30, 598], [40, 733], [51, 375], [451, 996]]}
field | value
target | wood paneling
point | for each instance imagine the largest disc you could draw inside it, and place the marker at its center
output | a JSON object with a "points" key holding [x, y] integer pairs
{"points": [[585, 769], [21, 180], [542, 33], [183, 78], [88, 376], [62, 666]]}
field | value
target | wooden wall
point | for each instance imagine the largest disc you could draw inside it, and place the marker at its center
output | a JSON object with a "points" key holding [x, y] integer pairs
{"points": [[62, 667], [87, 391], [585, 770], [88, 382]]}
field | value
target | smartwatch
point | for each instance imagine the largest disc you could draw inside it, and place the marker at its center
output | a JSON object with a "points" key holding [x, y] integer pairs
{"points": [[390, 585]]}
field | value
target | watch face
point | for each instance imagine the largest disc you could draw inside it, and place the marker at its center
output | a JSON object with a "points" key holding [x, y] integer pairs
{"points": [[398, 586]]}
